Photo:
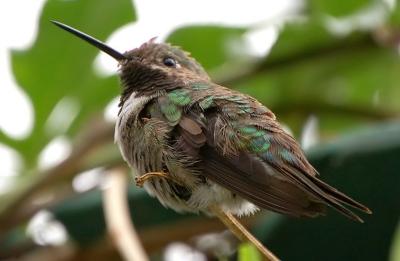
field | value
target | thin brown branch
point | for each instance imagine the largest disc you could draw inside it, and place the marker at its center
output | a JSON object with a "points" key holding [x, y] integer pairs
{"points": [[242, 233], [119, 224]]}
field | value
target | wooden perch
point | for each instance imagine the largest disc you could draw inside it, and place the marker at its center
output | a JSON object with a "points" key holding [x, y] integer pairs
{"points": [[119, 225]]}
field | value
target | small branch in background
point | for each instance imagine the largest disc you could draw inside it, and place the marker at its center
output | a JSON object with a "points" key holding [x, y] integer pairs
{"points": [[242, 233], [83, 148], [119, 225]]}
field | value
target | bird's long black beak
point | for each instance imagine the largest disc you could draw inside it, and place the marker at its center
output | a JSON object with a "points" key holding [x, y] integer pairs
{"points": [[100, 45]]}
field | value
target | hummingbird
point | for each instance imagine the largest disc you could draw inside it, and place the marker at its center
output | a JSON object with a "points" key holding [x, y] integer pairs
{"points": [[196, 145]]}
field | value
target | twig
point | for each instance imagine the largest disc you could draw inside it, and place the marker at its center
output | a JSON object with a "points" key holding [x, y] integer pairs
{"points": [[119, 225], [88, 141], [242, 233]]}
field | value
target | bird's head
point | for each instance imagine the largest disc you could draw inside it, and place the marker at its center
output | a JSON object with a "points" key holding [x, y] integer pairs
{"points": [[152, 67]]}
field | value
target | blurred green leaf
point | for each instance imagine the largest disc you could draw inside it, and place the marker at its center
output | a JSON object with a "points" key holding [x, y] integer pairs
{"points": [[345, 86], [302, 39], [59, 65], [248, 252], [208, 44]]}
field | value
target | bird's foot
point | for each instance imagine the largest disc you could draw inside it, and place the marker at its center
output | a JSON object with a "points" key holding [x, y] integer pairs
{"points": [[142, 179]]}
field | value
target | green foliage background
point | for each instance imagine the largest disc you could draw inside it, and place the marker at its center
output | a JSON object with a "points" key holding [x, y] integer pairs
{"points": [[308, 71]]}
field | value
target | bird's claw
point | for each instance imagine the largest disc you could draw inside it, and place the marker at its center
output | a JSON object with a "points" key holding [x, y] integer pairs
{"points": [[142, 179], [139, 182]]}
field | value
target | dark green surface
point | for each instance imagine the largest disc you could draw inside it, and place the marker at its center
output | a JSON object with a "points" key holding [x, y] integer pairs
{"points": [[211, 53]]}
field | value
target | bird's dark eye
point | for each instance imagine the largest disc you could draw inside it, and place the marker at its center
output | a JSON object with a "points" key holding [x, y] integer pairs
{"points": [[170, 62]]}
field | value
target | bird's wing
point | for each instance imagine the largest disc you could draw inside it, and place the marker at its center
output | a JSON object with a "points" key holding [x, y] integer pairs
{"points": [[239, 145]]}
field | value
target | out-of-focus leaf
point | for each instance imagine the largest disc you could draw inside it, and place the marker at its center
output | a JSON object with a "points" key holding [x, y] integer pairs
{"points": [[299, 39], [60, 65], [351, 84], [209, 44], [248, 252], [337, 8]]}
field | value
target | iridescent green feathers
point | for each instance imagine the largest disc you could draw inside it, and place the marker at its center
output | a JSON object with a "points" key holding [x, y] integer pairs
{"points": [[179, 97], [170, 110], [242, 111], [172, 104]]}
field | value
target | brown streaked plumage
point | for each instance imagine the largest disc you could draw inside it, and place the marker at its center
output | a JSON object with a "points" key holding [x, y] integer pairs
{"points": [[213, 145]]}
